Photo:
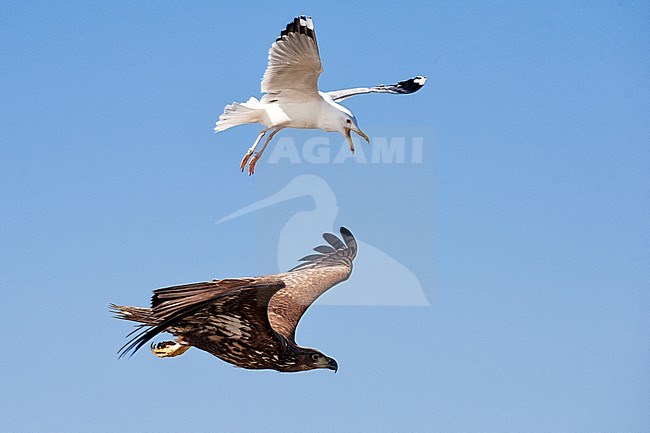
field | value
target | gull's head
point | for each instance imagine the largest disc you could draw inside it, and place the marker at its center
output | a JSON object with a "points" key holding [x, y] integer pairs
{"points": [[348, 124]]}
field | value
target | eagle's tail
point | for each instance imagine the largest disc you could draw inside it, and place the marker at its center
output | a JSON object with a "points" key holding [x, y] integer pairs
{"points": [[239, 113], [135, 314]]}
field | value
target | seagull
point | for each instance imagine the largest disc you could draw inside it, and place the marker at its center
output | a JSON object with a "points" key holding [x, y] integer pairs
{"points": [[292, 98]]}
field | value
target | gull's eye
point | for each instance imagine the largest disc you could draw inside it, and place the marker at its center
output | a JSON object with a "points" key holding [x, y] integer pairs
{"points": [[315, 357], [348, 121]]}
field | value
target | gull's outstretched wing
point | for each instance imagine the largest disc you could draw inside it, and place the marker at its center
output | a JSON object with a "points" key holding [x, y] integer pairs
{"points": [[310, 279], [294, 64], [403, 87]]}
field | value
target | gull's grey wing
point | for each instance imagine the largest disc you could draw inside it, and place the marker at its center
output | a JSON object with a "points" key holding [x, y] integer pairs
{"points": [[310, 279], [175, 306], [411, 85], [294, 63]]}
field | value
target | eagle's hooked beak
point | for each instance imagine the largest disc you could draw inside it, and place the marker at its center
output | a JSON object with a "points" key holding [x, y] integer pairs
{"points": [[349, 138], [332, 365]]}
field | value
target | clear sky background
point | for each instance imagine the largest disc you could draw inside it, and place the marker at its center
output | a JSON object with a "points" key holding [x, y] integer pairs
{"points": [[526, 223]]}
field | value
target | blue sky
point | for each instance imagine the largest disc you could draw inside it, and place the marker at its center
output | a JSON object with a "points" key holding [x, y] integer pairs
{"points": [[524, 224]]}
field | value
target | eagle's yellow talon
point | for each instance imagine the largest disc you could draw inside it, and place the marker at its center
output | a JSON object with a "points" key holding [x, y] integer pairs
{"points": [[168, 349]]}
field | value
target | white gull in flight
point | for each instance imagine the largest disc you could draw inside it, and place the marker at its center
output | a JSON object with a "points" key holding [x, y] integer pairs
{"points": [[292, 99]]}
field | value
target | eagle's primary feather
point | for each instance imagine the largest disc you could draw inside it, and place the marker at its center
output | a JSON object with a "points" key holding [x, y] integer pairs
{"points": [[248, 322]]}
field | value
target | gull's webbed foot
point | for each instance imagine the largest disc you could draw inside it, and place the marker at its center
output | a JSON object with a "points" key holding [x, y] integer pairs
{"points": [[251, 164], [245, 159]]}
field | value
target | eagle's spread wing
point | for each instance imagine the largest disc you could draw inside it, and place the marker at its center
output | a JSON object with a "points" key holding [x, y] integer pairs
{"points": [[310, 279], [336, 253], [294, 63], [172, 307], [411, 85]]}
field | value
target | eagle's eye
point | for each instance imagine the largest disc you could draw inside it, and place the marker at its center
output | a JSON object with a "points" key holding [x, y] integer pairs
{"points": [[315, 357]]}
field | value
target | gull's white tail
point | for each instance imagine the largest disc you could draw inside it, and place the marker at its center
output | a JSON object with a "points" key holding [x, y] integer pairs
{"points": [[239, 113]]}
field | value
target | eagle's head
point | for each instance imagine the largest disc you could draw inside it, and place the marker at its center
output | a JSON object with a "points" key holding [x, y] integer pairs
{"points": [[310, 359]]}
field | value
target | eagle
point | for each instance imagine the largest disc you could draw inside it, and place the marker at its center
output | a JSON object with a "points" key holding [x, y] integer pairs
{"points": [[248, 322]]}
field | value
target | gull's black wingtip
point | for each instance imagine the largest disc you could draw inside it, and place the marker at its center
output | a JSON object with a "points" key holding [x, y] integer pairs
{"points": [[412, 85], [302, 25]]}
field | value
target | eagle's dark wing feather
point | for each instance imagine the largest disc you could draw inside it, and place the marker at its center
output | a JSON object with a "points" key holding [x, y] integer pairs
{"points": [[310, 279], [324, 249], [338, 253], [171, 305]]}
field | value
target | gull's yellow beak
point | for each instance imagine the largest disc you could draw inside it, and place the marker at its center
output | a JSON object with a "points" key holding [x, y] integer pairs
{"points": [[349, 138]]}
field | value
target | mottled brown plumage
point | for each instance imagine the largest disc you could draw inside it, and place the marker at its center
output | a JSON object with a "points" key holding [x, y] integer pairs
{"points": [[248, 322]]}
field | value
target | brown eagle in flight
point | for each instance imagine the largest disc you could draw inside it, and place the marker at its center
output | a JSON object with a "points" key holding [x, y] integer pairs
{"points": [[248, 322]]}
